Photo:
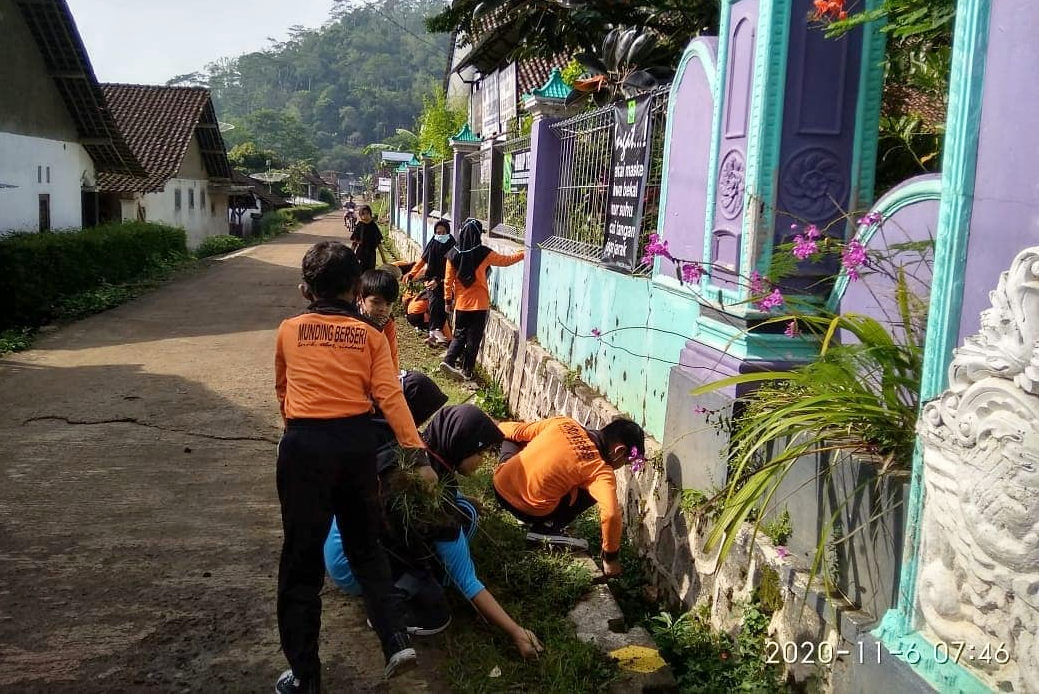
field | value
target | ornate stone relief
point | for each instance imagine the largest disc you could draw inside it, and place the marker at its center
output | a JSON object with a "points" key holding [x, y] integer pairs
{"points": [[814, 184], [731, 184], [978, 579]]}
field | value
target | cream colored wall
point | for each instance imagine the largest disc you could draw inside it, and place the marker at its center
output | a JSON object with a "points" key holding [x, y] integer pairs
{"points": [[38, 166]]}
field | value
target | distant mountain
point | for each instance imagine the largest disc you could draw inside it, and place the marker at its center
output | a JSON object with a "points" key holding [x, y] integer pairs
{"points": [[324, 94]]}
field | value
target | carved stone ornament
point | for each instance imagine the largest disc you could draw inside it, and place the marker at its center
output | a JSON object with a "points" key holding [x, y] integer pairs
{"points": [[731, 184], [814, 184], [978, 578]]}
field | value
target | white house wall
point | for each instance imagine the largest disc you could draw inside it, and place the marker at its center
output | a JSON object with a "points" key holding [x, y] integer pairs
{"points": [[199, 222], [41, 166]]}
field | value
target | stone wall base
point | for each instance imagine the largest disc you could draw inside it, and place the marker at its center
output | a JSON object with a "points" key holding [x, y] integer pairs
{"points": [[685, 574]]}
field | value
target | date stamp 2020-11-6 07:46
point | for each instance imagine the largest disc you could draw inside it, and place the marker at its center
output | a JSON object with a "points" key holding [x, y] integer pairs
{"points": [[824, 652]]}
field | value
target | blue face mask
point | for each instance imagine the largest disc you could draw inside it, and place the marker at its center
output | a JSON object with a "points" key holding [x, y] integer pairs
{"points": [[442, 238]]}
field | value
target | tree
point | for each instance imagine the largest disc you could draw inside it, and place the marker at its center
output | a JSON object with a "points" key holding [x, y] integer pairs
{"points": [[247, 157], [548, 28], [438, 122]]}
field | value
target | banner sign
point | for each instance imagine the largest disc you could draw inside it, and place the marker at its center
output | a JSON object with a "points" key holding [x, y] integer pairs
{"points": [[518, 164], [384, 185], [629, 169], [489, 89], [506, 95]]}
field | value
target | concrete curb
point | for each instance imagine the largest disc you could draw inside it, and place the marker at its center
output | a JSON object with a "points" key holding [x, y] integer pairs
{"points": [[598, 620]]}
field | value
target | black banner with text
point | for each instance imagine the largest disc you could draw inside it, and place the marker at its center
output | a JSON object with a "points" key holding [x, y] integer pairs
{"points": [[629, 167]]}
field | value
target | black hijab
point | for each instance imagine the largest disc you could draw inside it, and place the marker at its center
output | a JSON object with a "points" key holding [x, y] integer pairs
{"points": [[435, 253], [455, 433], [470, 253]]}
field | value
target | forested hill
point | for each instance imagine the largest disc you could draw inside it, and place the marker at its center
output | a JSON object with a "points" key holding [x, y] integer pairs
{"points": [[324, 94]]}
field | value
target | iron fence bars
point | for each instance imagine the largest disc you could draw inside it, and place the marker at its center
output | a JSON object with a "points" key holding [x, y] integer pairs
{"points": [[513, 188], [417, 182], [586, 145], [402, 191], [443, 197], [584, 176], [479, 184], [436, 182]]}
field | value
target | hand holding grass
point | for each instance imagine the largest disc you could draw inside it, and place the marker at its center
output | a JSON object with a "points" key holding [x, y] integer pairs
{"points": [[527, 643]]}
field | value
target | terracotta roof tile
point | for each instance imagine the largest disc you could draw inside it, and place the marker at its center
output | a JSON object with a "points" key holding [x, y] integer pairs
{"points": [[158, 124]]}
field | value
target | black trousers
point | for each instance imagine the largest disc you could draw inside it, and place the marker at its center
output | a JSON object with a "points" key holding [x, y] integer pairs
{"points": [[437, 309], [326, 468], [569, 508], [468, 335]]}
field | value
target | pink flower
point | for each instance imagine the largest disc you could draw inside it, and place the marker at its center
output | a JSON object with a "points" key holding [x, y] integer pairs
{"points": [[691, 272], [596, 333], [782, 551], [792, 329], [804, 246], [637, 460], [773, 300], [757, 283], [870, 219], [654, 247], [811, 232], [852, 257]]}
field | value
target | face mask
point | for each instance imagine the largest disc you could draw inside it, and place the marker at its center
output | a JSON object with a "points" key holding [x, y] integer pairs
{"points": [[442, 238]]}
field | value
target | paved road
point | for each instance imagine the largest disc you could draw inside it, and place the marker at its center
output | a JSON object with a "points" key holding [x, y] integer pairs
{"points": [[139, 524]]}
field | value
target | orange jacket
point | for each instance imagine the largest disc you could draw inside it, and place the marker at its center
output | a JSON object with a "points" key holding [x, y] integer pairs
{"points": [[331, 365], [559, 459], [390, 331], [476, 297]]}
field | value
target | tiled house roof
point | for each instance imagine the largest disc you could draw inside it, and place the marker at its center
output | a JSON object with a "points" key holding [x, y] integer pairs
{"points": [[158, 124], [55, 34], [532, 72]]}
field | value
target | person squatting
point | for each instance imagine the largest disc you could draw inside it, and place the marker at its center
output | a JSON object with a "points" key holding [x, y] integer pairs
{"points": [[351, 453]]}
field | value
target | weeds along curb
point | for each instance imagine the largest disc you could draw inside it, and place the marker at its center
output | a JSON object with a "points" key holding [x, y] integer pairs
{"points": [[598, 620]]}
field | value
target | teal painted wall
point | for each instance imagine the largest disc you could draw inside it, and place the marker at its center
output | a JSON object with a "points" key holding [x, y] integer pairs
{"points": [[506, 283], [629, 367]]}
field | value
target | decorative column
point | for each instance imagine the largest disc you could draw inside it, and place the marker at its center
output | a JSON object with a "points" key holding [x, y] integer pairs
{"points": [[409, 200], [546, 106], [793, 141], [427, 168], [464, 143]]}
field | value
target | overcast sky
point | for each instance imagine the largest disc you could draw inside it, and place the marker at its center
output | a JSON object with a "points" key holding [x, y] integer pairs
{"points": [[150, 41]]}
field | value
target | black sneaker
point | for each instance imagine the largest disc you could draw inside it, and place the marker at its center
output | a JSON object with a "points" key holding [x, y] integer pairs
{"points": [[452, 371], [400, 656], [290, 684]]}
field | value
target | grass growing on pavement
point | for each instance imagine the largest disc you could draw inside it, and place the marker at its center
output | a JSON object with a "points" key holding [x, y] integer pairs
{"points": [[536, 588]]}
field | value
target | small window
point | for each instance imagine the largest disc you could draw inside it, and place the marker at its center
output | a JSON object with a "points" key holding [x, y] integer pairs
{"points": [[39, 174], [48, 174], [176, 198], [191, 198], [202, 199]]}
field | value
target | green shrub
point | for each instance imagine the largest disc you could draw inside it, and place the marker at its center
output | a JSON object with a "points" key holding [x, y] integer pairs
{"points": [[328, 197], [305, 213], [217, 245], [15, 339], [37, 269]]}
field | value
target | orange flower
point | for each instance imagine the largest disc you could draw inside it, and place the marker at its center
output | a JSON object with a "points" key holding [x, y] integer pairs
{"points": [[829, 10]]}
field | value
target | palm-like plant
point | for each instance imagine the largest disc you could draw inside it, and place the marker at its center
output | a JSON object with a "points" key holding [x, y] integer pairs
{"points": [[856, 398], [631, 60]]}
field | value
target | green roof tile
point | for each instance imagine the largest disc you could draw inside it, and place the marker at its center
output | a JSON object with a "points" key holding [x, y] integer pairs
{"points": [[465, 135], [554, 87]]}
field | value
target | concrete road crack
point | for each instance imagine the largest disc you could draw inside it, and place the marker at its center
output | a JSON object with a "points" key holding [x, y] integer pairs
{"points": [[134, 420]]}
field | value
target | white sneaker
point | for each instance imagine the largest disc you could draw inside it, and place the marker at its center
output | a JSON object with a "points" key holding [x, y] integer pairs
{"points": [[452, 371], [438, 337], [399, 662], [559, 540]]}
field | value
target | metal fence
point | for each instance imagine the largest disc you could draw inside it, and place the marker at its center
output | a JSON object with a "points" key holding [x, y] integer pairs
{"points": [[443, 193], [584, 179], [479, 184], [513, 188], [402, 191]]}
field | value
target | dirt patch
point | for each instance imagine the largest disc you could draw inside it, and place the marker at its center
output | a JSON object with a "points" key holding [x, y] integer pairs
{"points": [[141, 527]]}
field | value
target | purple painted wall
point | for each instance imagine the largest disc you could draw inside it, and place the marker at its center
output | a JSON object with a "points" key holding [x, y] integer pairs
{"points": [[685, 209], [1005, 217], [726, 235], [874, 295], [818, 140]]}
